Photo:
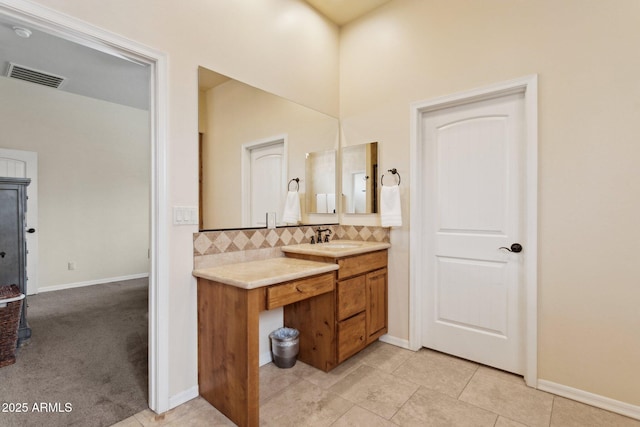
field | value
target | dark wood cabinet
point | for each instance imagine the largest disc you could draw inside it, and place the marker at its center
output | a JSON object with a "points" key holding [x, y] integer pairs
{"points": [[13, 250]]}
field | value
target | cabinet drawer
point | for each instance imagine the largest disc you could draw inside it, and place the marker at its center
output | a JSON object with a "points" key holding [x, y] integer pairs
{"points": [[361, 263], [297, 290], [351, 336], [351, 296]]}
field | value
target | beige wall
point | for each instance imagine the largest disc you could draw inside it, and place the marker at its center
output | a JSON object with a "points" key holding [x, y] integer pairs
{"points": [[93, 180], [589, 179], [282, 46]]}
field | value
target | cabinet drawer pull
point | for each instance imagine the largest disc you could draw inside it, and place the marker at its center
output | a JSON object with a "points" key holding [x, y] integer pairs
{"points": [[306, 287]]}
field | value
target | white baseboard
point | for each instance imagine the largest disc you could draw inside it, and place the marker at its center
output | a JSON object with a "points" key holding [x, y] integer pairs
{"points": [[398, 342], [596, 400], [184, 397], [92, 282]]}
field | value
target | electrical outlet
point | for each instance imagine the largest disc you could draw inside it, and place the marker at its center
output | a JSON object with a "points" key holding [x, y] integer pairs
{"points": [[71, 265], [271, 220]]}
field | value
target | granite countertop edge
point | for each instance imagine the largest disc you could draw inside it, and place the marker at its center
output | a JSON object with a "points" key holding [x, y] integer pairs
{"points": [[257, 274]]}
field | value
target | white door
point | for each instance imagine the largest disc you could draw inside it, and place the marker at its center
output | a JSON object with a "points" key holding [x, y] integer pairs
{"points": [[24, 164], [473, 157], [266, 183]]}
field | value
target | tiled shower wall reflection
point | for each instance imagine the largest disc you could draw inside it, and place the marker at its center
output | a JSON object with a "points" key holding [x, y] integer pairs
{"points": [[211, 248]]}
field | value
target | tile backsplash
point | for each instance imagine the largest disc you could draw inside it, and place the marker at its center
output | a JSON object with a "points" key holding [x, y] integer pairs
{"points": [[212, 248]]}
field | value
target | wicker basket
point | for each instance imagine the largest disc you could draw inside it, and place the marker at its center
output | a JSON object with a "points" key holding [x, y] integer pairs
{"points": [[10, 307]]}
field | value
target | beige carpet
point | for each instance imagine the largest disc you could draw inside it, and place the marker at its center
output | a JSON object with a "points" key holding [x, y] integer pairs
{"points": [[86, 362]]}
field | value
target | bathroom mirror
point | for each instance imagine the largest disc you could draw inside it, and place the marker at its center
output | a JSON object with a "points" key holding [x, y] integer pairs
{"points": [[360, 178], [252, 143], [320, 173]]}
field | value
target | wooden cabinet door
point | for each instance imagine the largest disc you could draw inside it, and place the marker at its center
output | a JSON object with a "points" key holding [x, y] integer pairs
{"points": [[351, 336], [376, 290]]}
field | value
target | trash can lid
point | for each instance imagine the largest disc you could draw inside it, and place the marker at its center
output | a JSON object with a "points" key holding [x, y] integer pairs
{"points": [[284, 333]]}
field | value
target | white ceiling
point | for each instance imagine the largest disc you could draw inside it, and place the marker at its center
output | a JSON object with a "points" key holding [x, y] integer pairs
{"points": [[344, 11], [87, 71]]}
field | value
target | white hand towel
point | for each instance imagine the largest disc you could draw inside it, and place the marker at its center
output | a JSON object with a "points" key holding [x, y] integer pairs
{"points": [[291, 212], [321, 203], [331, 203], [390, 210]]}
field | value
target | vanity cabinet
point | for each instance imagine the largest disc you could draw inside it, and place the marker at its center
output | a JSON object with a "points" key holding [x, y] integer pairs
{"points": [[360, 300]]}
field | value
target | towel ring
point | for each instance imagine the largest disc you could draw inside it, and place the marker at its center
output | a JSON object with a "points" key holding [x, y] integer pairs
{"points": [[297, 180], [393, 171]]}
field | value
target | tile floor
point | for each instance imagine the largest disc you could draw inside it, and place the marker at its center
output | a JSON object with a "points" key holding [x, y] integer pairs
{"points": [[386, 385]]}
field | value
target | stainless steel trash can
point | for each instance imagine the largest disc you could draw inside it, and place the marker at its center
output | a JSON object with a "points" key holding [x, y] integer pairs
{"points": [[285, 345]]}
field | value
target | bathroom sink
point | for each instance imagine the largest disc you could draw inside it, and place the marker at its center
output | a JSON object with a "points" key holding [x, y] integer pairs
{"points": [[335, 248], [341, 245]]}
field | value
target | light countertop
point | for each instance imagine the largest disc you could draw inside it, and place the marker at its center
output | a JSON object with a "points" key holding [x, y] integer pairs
{"points": [[256, 274], [336, 248]]}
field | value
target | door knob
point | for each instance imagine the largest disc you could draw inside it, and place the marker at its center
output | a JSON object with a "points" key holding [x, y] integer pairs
{"points": [[31, 230], [516, 247]]}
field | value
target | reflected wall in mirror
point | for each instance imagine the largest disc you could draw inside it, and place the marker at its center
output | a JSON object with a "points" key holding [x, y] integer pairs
{"points": [[360, 178], [320, 175], [251, 144]]}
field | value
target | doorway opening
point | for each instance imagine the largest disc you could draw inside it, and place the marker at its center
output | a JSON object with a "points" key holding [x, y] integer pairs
{"points": [[70, 29]]}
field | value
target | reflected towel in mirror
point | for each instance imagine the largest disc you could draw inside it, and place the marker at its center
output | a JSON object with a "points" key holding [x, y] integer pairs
{"points": [[291, 212], [390, 210]]}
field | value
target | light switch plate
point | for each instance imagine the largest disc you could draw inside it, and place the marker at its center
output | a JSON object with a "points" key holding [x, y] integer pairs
{"points": [[185, 215]]}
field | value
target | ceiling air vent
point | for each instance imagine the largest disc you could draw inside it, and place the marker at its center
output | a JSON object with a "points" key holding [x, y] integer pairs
{"points": [[34, 76]]}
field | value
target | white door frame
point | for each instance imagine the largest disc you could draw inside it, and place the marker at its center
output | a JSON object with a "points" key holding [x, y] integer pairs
{"points": [[246, 171], [528, 86], [69, 28]]}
